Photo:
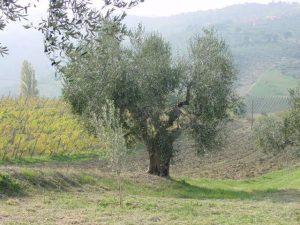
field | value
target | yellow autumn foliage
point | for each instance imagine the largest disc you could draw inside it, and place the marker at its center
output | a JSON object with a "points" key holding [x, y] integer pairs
{"points": [[36, 126]]}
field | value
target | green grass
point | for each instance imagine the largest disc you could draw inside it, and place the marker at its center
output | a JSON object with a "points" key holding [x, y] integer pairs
{"points": [[8, 186], [81, 196], [283, 180], [277, 180], [273, 83], [260, 187]]}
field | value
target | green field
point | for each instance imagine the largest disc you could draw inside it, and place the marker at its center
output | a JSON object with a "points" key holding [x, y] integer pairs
{"points": [[273, 83], [73, 194]]}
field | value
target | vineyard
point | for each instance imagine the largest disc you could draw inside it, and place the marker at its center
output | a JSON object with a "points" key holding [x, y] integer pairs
{"points": [[40, 127], [45, 127], [265, 105]]}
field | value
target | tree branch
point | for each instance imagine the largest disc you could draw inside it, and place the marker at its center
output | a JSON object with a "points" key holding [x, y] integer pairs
{"points": [[175, 113]]}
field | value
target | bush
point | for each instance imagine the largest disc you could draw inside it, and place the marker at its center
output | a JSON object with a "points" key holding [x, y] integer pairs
{"points": [[275, 133], [269, 134], [294, 117]]}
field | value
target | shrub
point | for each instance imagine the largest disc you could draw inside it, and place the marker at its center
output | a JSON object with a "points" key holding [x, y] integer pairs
{"points": [[269, 134]]}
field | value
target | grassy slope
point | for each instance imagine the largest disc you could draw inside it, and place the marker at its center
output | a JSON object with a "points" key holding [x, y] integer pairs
{"points": [[75, 195], [79, 189], [273, 83], [273, 181]]}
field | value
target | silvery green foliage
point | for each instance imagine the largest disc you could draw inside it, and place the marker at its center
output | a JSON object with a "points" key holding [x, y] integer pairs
{"points": [[211, 76], [67, 22], [89, 79], [268, 134], [10, 10], [157, 95], [110, 133], [274, 133]]}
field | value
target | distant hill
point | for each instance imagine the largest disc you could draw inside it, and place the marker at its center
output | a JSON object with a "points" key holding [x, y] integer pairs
{"points": [[261, 37]]}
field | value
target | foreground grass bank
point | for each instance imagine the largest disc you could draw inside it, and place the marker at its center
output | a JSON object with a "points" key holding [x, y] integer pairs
{"points": [[88, 196]]}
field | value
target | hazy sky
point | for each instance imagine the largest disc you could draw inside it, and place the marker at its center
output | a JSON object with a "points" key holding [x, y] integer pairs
{"points": [[155, 8], [171, 7]]}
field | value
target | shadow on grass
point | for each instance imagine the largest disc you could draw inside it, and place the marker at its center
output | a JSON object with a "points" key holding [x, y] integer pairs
{"points": [[9, 187], [52, 159], [182, 189], [18, 183]]}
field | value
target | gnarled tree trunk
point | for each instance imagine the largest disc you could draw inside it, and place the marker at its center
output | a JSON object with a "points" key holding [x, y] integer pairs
{"points": [[158, 166], [160, 149]]}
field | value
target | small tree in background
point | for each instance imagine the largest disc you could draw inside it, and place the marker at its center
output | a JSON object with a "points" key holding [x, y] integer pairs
{"points": [[28, 83]]}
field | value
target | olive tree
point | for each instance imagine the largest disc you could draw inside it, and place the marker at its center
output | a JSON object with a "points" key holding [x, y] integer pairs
{"points": [[66, 22], [158, 96]]}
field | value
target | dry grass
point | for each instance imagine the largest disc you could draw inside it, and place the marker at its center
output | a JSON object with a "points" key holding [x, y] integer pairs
{"points": [[238, 160], [73, 195], [96, 207]]}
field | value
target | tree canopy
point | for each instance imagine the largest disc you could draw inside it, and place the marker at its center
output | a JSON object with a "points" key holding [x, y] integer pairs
{"points": [[158, 96]]}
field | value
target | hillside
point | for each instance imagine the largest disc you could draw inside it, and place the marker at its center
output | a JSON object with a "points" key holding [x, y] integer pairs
{"points": [[238, 159], [233, 186], [273, 83], [148, 143], [35, 130], [86, 192], [65, 182], [260, 36], [81, 196]]}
